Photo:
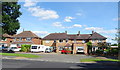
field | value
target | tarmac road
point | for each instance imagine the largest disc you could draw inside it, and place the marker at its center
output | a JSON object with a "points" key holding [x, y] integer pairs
{"points": [[8, 63]]}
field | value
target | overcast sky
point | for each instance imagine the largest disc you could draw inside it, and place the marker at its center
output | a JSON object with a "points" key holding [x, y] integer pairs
{"points": [[49, 17]]}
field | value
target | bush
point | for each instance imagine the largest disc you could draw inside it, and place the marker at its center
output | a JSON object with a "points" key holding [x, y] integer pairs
{"points": [[114, 51], [25, 48], [99, 51]]}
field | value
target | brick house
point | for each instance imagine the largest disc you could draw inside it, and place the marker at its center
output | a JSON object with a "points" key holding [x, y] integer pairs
{"points": [[25, 37], [61, 40]]}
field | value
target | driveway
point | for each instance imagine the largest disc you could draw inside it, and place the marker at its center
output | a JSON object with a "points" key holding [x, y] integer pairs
{"points": [[70, 58]]}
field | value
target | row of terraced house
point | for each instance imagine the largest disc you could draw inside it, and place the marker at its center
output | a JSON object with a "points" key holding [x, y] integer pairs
{"points": [[57, 41]]}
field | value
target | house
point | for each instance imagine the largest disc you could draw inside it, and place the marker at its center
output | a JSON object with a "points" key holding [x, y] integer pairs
{"points": [[25, 37], [72, 41]]}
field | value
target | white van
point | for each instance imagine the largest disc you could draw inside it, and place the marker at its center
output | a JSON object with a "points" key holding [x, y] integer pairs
{"points": [[14, 48], [38, 48]]}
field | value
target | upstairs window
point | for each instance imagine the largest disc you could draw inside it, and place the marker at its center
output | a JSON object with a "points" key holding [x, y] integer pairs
{"points": [[83, 41], [66, 40], [74, 40], [47, 41], [99, 40], [54, 41], [60, 41], [28, 39], [20, 39], [93, 41]]}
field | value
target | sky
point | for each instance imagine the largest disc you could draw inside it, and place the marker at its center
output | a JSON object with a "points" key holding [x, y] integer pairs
{"points": [[43, 18]]}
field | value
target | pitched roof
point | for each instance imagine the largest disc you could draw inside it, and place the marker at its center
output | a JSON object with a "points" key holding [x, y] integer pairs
{"points": [[6, 35], [22, 43], [54, 36], [95, 35], [26, 34], [79, 36]]}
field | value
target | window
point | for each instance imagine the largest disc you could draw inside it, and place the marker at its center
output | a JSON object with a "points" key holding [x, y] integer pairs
{"points": [[10, 41], [34, 47], [66, 40], [60, 48], [20, 39], [74, 40], [47, 41], [28, 39], [99, 40], [60, 41], [83, 41], [54, 41], [14, 39], [93, 41]]}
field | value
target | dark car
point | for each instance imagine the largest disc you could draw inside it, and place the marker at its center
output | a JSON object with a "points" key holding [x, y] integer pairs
{"points": [[4, 48]]}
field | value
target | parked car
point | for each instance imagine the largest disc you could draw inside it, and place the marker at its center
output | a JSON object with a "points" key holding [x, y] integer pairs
{"points": [[48, 49], [64, 51], [4, 48], [14, 48], [80, 49]]}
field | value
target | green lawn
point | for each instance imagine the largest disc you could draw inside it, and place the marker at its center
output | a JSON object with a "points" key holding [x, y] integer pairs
{"points": [[20, 55], [96, 59]]}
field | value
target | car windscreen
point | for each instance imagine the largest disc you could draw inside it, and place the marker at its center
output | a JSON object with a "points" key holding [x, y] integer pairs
{"points": [[34, 47], [13, 47], [80, 48]]}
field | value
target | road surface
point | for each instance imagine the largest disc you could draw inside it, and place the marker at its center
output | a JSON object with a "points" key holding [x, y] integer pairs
{"points": [[7, 63]]}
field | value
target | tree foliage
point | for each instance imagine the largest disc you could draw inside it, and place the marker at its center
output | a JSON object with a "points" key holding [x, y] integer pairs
{"points": [[10, 13], [89, 47]]}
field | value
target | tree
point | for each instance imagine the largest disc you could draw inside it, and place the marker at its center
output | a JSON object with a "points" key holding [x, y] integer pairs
{"points": [[117, 38], [102, 45], [10, 13], [89, 47]]}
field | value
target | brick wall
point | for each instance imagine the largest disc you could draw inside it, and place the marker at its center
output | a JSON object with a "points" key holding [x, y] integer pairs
{"points": [[36, 41]]}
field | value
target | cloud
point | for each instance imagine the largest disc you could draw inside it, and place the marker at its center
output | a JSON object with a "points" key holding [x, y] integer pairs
{"points": [[77, 25], [107, 31], [116, 19], [42, 13], [68, 19], [29, 3], [57, 24], [41, 33], [39, 12], [79, 14], [101, 30], [93, 28]]}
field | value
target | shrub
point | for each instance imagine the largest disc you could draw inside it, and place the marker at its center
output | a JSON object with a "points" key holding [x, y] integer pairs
{"points": [[114, 51], [25, 48], [99, 51]]}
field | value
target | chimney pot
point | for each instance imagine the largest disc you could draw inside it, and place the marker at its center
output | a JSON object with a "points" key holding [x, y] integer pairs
{"points": [[78, 32], [92, 32], [66, 32]]}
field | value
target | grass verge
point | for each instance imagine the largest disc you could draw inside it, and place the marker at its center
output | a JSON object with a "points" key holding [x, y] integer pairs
{"points": [[20, 55], [96, 59]]}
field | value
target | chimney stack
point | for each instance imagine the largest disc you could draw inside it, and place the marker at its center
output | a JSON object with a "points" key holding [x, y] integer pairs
{"points": [[23, 29], [66, 32], [78, 32], [92, 32]]}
